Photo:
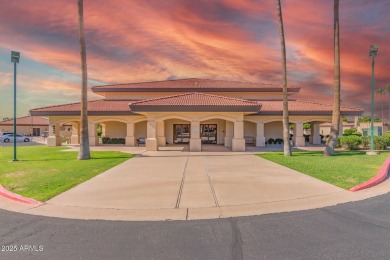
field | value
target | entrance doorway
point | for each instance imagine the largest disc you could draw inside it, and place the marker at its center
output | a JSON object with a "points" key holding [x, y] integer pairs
{"points": [[181, 133], [208, 133], [36, 131]]}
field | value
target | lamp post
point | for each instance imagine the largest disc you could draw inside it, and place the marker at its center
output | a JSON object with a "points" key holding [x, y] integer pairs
{"points": [[373, 52], [15, 56]]}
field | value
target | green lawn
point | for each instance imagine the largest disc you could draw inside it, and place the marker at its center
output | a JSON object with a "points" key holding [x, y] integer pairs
{"points": [[346, 169], [44, 172]]}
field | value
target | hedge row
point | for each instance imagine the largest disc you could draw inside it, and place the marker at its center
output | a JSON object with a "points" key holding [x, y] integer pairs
{"points": [[353, 142], [108, 140]]}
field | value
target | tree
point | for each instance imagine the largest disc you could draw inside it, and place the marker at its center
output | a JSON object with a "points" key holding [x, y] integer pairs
{"points": [[334, 131], [388, 89], [381, 91], [286, 134], [84, 153]]}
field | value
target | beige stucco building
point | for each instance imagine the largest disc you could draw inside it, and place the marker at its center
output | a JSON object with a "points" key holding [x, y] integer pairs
{"points": [[193, 111], [27, 125]]}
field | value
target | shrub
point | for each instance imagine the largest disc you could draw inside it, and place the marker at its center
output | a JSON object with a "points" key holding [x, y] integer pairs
{"points": [[365, 141], [105, 140], [278, 141], [108, 140], [350, 142], [349, 131], [381, 142], [271, 141], [386, 133]]}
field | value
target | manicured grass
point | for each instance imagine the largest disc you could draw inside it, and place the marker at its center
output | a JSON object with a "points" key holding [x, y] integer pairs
{"points": [[44, 172], [346, 169]]}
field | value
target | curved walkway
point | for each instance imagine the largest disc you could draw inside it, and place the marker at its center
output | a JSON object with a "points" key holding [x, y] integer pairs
{"points": [[182, 185]]}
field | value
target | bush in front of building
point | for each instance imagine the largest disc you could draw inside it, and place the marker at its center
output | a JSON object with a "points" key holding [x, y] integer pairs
{"points": [[365, 141], [271, 141], [108, 140], [105, 140], [381, 142], [350, 142], [278, 141]]}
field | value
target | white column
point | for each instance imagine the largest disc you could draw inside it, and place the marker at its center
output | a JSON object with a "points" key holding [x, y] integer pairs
{"points": [[93, 136], [238, 143], [195, 141], [229, 133], [161, 140], [130, 139], [151, 140], [75, 138], [316, 133], [299, 138], [260, 138], [54, 138]]}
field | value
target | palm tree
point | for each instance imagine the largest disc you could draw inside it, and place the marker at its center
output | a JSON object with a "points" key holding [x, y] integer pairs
{"points": [[381, 91], [286, 134], [84, 153], [388, 115], [334, 131]]}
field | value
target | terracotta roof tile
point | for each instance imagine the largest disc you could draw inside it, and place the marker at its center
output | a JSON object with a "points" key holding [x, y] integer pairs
{"points": [[195, 102], [27, 120], [96, 105], [194, 85], [302, 106]]}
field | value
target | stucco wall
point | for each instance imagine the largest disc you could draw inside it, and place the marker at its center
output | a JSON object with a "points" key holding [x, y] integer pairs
{"points": [[249, 129], [273, 130], [140, 129], [115, 129]]}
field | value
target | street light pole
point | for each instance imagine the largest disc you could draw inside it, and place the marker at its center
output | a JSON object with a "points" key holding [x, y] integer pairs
{"points": [[373, 52], [15, 56]]}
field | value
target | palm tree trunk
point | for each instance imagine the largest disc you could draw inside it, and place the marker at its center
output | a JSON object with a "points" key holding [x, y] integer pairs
{"points": [[286, 124], [334, 132], [382, 106], [84, 152]]}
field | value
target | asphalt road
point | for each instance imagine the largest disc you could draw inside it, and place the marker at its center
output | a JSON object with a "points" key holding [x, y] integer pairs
{"points": [[359, 230]]}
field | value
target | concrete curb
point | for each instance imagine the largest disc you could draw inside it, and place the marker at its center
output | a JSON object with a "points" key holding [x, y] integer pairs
{"points": [[380, 177], [12, 196]]}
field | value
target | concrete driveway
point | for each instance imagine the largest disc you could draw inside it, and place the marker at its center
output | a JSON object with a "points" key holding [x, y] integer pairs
{"points": [[182, 185], [174, 179]]}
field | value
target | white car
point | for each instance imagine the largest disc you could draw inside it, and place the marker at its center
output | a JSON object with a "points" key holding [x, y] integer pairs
{"points": [[8, 137]]}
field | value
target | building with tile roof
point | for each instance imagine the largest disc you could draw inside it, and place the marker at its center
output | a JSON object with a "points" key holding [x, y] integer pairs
{"points": [[192, 111], [27, 125]]}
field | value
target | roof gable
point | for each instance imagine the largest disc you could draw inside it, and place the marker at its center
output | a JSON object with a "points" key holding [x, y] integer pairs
{"points": [[195, 102]]}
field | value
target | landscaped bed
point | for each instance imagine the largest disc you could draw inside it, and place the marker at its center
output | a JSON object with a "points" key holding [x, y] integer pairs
{"points": [[346, 169], [44, 172]]}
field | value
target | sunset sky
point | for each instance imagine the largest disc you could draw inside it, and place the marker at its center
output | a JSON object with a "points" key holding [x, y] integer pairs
{"points": [[133, 41]]}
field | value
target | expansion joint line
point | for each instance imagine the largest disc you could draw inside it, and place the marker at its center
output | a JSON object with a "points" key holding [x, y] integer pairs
{"points": [[182, 183], [210, 182]]}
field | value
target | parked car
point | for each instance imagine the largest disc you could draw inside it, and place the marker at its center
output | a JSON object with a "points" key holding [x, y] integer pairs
{"points": [[9, 137]]}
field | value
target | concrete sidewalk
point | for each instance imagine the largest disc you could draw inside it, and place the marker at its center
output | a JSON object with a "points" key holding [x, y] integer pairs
{"points": [[185, 185]]}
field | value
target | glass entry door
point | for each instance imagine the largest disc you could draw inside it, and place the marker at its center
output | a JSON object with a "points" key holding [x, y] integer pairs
{"points": [[208, 133], [181, 134]]}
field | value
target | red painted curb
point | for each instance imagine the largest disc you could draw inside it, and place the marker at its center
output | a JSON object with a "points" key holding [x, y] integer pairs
{"points": [[16, 197], [380, 177]]}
